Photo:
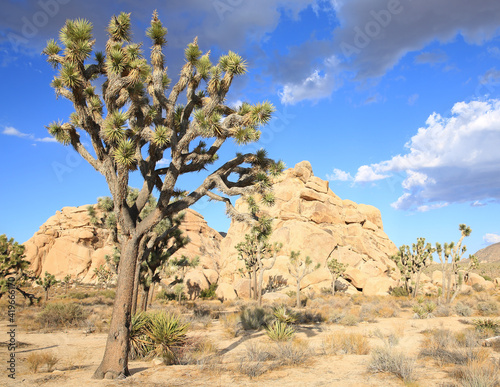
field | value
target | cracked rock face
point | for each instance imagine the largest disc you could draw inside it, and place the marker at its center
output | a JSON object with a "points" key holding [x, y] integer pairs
{"points": [[310, 218]]}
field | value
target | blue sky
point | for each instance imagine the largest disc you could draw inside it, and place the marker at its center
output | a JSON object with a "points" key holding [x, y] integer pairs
{"points": [[396, 102]]}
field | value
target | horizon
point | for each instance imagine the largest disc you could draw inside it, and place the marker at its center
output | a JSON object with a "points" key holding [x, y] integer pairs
{"points": [[395, 103]]}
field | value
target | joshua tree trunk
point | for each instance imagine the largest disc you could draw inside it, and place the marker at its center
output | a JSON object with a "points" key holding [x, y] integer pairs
{"points": [[254, 275], [417, 283], [135, 295], [144, 299], [115, 360], [151, 294], [298, 294]]}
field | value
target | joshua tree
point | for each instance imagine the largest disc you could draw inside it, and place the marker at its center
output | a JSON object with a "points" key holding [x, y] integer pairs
{"points": [[134, 121], [450, 256], [103, 275], [46, 283], [13, 267], [299, 268], [247, 251], [411, 262], [337, 269], [66, 281]]}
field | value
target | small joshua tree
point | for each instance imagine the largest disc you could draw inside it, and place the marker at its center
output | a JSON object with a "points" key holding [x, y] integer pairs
{"points": [[450, 255], [103, 275], [299, 268], [337, 269], [13, 267], [46, 283], [411, 262], [66, 281]]}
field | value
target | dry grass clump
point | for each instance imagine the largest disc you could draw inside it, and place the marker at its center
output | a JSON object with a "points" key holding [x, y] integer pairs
{"points": [[36, 360], [255, 318], [200, 351], [339, 343], [61, 315], [447, 348], [386, 359], [232, 324], [479, 373], [259, 359]]}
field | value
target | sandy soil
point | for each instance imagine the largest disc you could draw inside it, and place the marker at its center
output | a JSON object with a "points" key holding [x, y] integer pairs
{"points": [[80, 354]]}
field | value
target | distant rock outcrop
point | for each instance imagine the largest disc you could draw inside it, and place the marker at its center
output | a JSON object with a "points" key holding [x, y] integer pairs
{"points": [[489, 254], [68, 243], [310, 218]]}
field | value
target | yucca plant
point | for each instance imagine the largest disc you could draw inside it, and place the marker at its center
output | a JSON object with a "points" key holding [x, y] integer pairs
{"points": [[167, 333], [285, 315], [140, 343], [280, 331]]}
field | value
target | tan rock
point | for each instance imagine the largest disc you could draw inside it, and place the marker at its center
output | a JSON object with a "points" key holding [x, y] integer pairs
{"points": [[475, 279], [225, 292], [211, 275], [378, 286], [316, 277], [242, 288], [356, 277], [496, 281], [317, 184], [195, 282], [275, 298], [303, 170]]}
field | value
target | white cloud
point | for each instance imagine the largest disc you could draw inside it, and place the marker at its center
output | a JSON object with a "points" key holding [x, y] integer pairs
{"points": [[339, 175], [314, 87], [164, 162], [366, 174], [412, 99], [450, 160], [10, 131], [491, 238]]}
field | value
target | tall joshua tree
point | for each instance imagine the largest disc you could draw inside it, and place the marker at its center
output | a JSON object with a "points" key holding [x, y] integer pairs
{"points": [[135, 121]]}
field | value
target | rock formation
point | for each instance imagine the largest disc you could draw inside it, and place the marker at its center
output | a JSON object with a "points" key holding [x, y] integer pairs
{"points": [[68, 243], [310, 218], [489, 254]]}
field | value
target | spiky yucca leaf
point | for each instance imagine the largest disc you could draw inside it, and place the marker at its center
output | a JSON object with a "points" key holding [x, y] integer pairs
{"points": [[233, 63], [285, 315], [116, 60], [99, 58], [76, 30], [125, 154], [276, 168], [261, 113], [246, 135], [156, 32], [69, 75], [166, 332], [119, 27], [51, 49], [79, 50], [114, 127], [268, 198], [140, 344], [280, 331], [260, 159], [60, 134], [192, 52], [161, 136], [203, 65]]}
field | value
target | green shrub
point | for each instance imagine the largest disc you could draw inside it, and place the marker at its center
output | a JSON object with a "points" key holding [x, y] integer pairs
{"points": [[62, 316], [482, 324], [487, 308], [254, 317], [280, 331], [78, 295], [399, 291], [157, 334], [209, 293], [285, 315]]}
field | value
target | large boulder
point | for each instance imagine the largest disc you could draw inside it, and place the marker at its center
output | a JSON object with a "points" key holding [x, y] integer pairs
{"points": [[69, 243], [311, 219]]}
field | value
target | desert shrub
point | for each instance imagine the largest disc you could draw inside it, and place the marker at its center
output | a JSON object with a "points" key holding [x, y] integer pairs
{"points": [[386, 359], [368, 313], [429, 307], [486, 277], [254, 317], [349, 320], [36, 360], [487, 308], [285, 315], [209, 293], [478, 288], [478, 373], [252, 363], [280, 331], [166, 296], [399, 291], [487, 324], [159, 334], [62, 316], [467, 338], [79, 295], [442, 311], [463, 310], [442, 346], [335, 316], [309, 316], [419, 311], [198, 350], [345, 343], [389, 340], [290, 353], [107, 293], [387, 310], [232, 323]]}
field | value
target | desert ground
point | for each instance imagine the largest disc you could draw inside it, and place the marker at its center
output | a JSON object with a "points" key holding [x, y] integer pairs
{"points": [[341, 340]]}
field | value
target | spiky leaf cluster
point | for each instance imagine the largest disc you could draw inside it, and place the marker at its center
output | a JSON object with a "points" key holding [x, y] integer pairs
{"points": [[13, 266]]}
